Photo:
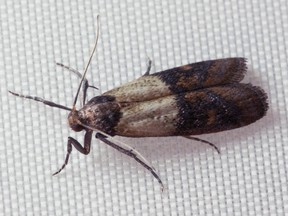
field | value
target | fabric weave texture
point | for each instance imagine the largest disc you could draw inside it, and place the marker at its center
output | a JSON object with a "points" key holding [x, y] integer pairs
{"points": [[249, 177]]}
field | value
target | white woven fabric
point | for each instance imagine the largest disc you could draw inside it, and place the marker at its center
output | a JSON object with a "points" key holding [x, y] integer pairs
{"points": [[248, 178]]}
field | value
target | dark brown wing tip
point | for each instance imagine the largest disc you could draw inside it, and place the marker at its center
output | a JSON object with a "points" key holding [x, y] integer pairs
{"points": [[240, 64], [262, 96]]}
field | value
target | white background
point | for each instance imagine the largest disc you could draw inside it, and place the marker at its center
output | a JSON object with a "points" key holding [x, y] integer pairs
{"points": [[248, 178]]}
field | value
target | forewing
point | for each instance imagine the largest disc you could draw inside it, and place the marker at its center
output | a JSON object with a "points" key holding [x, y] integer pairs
{"points": [[197, 112], [181, 79]]}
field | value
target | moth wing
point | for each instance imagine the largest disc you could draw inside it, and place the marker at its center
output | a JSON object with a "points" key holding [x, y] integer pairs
{"points": [[181, 79], [197, 112]]}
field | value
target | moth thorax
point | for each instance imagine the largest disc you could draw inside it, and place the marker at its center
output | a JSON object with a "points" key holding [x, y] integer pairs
{"points": [[73, 120]]}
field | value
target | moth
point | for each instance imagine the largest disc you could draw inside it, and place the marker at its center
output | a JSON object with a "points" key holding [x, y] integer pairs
{"points": [[198, 98]]}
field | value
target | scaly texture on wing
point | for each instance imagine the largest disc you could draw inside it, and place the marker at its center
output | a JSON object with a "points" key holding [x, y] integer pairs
{"points": [[201, 111], [181, 79]]}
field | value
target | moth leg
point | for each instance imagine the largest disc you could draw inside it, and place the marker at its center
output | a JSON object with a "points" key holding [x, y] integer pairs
{"points": [[203, 141], [84, 150], [77, 73], [46, 102], [131, 154], [149, 64]]}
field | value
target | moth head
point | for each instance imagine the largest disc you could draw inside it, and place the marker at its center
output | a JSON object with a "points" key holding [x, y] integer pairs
{"points": [[73, 120]]}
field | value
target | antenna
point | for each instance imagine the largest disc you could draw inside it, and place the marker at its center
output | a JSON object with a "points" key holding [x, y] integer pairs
{"points": [[87, 65]]}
